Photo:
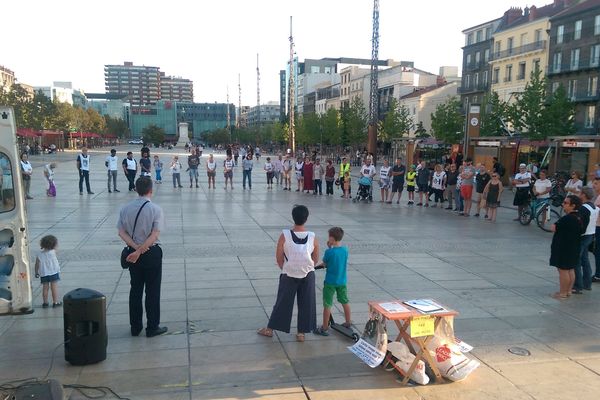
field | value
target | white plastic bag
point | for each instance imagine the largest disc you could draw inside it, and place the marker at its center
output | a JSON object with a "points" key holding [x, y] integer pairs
{"points": [[446, 354], [405, 360]]}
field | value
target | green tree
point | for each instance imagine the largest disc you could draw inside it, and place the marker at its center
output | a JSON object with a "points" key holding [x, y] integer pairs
{"points": [[308, 129], [397, 122], [527, 112], [559, 114], [20, 101], [356, 122], [447, 121], [331, 127], [42, 111], [153, 134], [116, 126], [492, 113], [420, 131]]}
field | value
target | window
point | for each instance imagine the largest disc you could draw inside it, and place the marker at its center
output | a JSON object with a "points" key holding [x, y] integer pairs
{"points": [[537, 36], [477, 57], [470, 39], [508, 73], [522, 66], [478, 36], [327, 70], [496, 75], [572, 91], [509, 45], [314, 69], [595, 55], [523, 39], [577, 32], [560, 32], [556, 62], [468, 59], [555, 86], [590, 116], [475, 99], [592, 86], [7, 188], [536, 64], [468, 81], [485, 78], [488, 33], [486, 55], [476, 79], [574, 59], [498, 47], [597, 25]]}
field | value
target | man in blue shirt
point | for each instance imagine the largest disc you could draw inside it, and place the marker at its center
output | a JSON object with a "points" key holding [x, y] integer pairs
{"points": [[335, 260]]}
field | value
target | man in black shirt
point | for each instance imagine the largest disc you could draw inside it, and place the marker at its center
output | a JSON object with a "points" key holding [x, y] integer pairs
{"points": [[398, 171], [452, 179], [481, 181], [193, 163], [423, 178]]}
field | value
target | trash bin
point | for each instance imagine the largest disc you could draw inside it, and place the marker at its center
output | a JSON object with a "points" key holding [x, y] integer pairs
{"points": [[85, 326]]}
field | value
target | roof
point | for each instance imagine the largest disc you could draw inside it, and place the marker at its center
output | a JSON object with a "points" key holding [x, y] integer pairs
{"points": [[480, 25], [419, 92], [546, 11], [579, 8]]}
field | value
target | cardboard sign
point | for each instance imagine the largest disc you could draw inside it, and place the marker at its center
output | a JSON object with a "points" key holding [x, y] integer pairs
{"points": [[368, 353], [422, 326]]}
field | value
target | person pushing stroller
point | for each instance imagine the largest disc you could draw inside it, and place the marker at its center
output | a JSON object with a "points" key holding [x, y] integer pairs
{"points": [[365, 182]]}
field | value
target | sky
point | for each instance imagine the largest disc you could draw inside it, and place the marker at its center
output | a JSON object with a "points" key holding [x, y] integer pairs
{"points": [[211, 42]]}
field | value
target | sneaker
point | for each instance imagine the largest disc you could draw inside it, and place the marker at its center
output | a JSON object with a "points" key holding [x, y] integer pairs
{"points": [[59, 304], [156, 332], [448, 208], [190, 185], [461, 213], [197, 186], [109, 191], [476, 215], [81, 193], [45, 305], [433, 206], [486, 216], [117, 191], [419, 204], [321, 331], [426, 205], [576, 291], [595, 279], [90, 192]]}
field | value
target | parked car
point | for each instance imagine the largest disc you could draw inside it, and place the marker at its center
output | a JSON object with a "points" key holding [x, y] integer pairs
{"points": [[136, 141]]}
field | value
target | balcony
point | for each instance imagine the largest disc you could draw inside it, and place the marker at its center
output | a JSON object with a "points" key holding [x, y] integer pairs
{"points": [[515, 51], [481, 87], [475, 66], [584, 96], [581, 65]]}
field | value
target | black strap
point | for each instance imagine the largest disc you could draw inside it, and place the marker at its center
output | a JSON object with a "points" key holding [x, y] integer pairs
{"points": [[137, 216], [296, 239]]}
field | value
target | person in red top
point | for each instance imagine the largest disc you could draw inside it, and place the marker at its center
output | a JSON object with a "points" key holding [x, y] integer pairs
{"points": [[307, 172]]}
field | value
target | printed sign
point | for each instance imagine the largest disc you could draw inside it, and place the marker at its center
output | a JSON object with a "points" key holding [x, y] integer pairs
{"points": [[573, 143], [422, 326], [464, 347], [367, 353], [393, 307]]}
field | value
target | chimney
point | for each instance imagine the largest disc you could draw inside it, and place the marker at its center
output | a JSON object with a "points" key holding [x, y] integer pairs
{"points": [[526, 12], [513, 14], [533, 13]]}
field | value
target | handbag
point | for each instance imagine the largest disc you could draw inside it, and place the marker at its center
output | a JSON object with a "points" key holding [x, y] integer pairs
{"points": [[127, 250]]}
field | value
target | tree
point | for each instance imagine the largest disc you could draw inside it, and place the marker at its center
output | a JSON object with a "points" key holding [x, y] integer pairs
{"points": [[396, 123], [420, 131], [559, 114], [492, 114], [527, 112], [42, 111], [153, 134], [356, 122], [331, 127], [447, 121], [308, 129], [116, 126]]}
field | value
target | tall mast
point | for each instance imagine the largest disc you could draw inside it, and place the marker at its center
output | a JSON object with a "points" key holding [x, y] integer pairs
{"points": [[291, 96], [258, 120], [239, 116], [374, 98]]}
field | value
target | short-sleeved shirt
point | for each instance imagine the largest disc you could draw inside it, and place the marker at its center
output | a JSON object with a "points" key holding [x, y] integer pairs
{"points": [[423, 176], [146, 164], [247, 164], [577, 186], [113, 163], [193, 161], [368, 170], [437, 181], [542, 185], [336, 259], [481, 181], [150, 218], [130, 164], [468, 170], [396, 169], [384, 173], [48, 263], [84, 162], [525, 175]]}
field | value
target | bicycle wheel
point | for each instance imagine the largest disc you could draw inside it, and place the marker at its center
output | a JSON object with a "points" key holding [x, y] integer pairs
{"points": [[546, 217], [525, 216]]}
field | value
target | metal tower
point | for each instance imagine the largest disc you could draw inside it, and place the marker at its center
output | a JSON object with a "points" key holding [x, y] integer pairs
{"points": [[291, 96], [258, 120], [374, 98], [239, 113], [228, 113]]}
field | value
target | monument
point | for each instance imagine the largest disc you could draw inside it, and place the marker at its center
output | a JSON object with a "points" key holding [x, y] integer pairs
{"points": [[184, 136]]}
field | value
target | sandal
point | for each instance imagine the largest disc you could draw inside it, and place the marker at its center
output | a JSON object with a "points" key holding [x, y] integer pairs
{"points": [[267, 332], [321, 331], [300, 337], [559, 296]]}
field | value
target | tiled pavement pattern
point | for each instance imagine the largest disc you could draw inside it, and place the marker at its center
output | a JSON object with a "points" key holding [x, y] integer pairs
{"points": [[220, 280]]}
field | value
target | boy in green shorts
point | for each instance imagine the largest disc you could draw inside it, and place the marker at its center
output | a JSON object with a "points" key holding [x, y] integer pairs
{"points": [[335, 260]]}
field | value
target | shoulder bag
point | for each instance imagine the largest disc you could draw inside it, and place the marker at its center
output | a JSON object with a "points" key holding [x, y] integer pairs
{"points": [[127, 250]]}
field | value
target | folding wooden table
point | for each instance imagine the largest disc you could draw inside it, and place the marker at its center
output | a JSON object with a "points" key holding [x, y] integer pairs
{"points": [[402, 321]]}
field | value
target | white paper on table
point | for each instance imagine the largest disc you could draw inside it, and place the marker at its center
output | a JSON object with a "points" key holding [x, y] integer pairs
{"points": [[368, 353], [394, 307], [464, 347], [425, 305]]}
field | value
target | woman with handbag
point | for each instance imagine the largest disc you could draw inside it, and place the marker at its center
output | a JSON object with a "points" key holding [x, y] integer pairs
{"points": [[26, 172], [49, 175]]}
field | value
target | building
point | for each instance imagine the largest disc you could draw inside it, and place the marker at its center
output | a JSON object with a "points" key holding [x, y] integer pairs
{"points": [[162, 114], [422, 102], [204, 117], [269, 113], [449, 73], [28, 89], [176, 88], [140, 83], [521, 47], [243, 116], [351, 80], [282, 95], [111, 105], [7, 78], [476, 72], [327, 97], [63, 92], [574, 61]]}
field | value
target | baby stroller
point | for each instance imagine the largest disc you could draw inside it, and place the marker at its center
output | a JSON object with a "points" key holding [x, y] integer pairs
{"points": [[364, 193]]}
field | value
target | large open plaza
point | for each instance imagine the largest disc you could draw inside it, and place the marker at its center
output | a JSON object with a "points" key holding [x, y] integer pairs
{"points": [[220, 282]]}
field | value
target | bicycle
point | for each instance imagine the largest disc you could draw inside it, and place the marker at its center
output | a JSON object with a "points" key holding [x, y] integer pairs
{"points": [[541, 209]]}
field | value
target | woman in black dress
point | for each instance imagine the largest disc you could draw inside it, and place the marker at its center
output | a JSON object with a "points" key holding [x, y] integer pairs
{"points": [[564, 251]]}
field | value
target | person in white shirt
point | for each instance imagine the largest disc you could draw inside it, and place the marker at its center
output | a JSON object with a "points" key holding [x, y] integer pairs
{"points": [[384, 180], [228, 165], [522, 182], [287, 171], [438, 184], [49, 175], [596, 186], [574, 184], [176, 171], [112, 166], [278, 169], [47, 269], [211, 170], [299, 177], [542, 188], [83, 166], [130, 169], [368, 170], [26, 172], [268, 167], [588, 214]]}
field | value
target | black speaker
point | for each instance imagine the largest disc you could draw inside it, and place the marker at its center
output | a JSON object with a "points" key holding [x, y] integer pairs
{"points": [[85, 326], [45, 390]]}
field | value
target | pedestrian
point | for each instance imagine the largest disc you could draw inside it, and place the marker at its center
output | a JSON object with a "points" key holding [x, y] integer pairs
{"points": [[574, 185], [522, 181], [158, 166], [423, 178], [541, 190], [344, 167], [130, 169], [193, 164], [566, 243], [247, 165], [459, 198], [47, 269], [466, 185], [145, 163], [491, 194], [49, 175], [346, 183], [26, 172], [83, 166], [257, 154], [438, 184], [451, 181], [384, 180], [481, 180], [299, 168], [329, 177], [288, 165], [268, 168], [278, 169], [596, 186], [398, 174], [236, 154], [588, 214], [211, 170], [318, 174], [112, 166], [307, 174], [335, 260], [243, 153], [176, 168], [140, 224], [228, 165], [297, 253], [411, 182], [499, 168]]}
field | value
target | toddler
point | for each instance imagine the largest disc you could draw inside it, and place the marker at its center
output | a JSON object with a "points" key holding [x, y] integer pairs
{"points": [[48, 270]]}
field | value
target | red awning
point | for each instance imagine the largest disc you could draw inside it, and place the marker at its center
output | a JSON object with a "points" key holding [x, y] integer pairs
{"points": [[85, 135], [51, 133], [25, 132], [109, 136]]}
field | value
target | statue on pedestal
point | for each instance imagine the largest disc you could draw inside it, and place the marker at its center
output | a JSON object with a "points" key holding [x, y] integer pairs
{"points": [[184, 136]]}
